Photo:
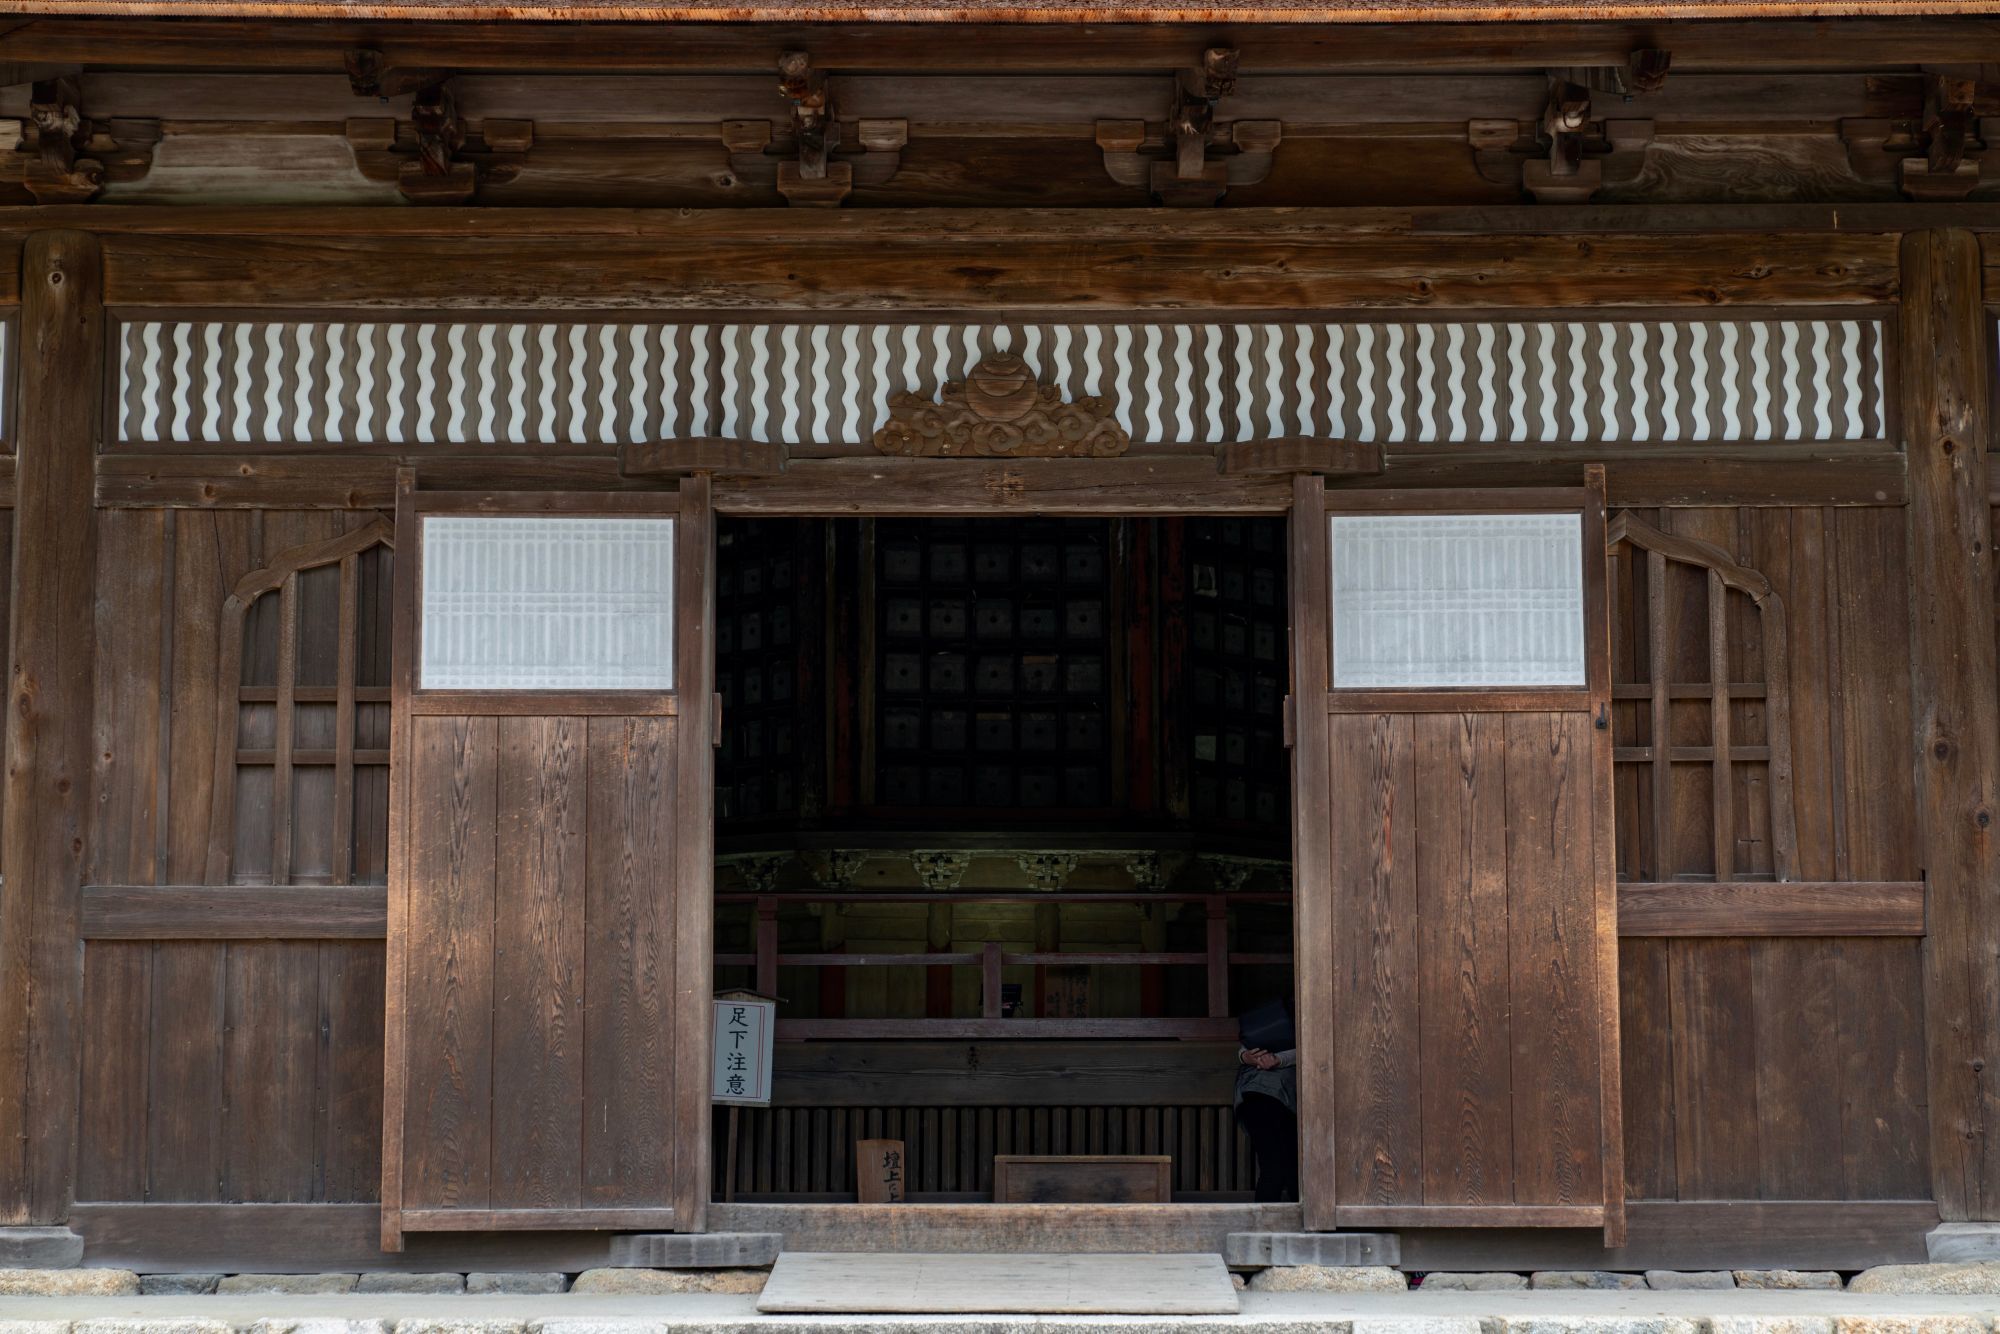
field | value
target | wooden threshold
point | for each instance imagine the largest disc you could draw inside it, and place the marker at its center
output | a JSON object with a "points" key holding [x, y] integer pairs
{"points": [[1479, 1215], [537, 1220]]}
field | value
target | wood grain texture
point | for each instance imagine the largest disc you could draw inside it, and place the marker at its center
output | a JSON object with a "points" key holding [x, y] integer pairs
{"points": [[694, 848], [1945, 346], [46, 794], [628, 1143], [1463, 1006], [538, 962], [1024, 260], [453, 817], [1552, 959], [1791, 908], [1377, 1062], [233, 912]]}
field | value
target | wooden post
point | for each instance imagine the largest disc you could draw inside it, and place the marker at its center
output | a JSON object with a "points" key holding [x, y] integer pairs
{"points": [[1945, 390], [1312, 850], [49, 700]]}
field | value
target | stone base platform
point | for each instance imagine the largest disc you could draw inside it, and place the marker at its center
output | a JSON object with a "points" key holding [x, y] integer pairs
{"points": [[1629, 1311]]}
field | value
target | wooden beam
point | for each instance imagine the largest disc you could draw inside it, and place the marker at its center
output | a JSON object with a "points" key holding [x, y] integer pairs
{"points": [[1056, 48], [1133, 484], [726, 458], [1110, 260], [1772, 908], [46, 791], [234, 912], [338, 480], [1945, 394]]}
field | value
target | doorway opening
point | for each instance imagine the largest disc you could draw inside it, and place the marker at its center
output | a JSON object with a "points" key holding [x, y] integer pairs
{"points": [[1003, 820]]}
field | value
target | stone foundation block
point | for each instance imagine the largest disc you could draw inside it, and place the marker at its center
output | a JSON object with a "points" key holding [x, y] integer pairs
{"points": [[628, 1325], [1420, 1325], [1963, 1243], [40, 1248], [151, 1325], [433, 1325], [34, 1327], [1329, 1278], [178, 1285], [318, 1325], [288, 1285], [1968, 1278], [521, 1284], [68, 1283], [636, 1282], [1325, 1249], [392, 1281], [1770, 1324], [1676, 1280], [1892, 1324], [1596, 1279], [1633, 1324], [696, 1250], [1822, 1280], [1473, 1283]]}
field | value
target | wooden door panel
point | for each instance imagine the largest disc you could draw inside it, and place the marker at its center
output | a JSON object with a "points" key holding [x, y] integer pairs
{"points": [[1456, 1075], [548, 926]]}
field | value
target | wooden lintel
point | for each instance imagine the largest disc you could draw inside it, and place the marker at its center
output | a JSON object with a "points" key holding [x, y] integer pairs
{"points": [[1255, 458], [345, 481], [724, 458], [1772, 908]]}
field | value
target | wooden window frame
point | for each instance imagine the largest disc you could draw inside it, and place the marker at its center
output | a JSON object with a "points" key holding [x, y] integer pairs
{"points": [[1587, 502], [413, 506], [281, 576]]}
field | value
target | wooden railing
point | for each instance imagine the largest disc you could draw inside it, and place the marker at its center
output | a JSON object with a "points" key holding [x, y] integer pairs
{"points": [[1216, 958]]}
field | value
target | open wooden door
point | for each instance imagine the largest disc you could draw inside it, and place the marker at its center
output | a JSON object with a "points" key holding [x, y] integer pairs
{"points": [[551, 854], [1456, 910]]}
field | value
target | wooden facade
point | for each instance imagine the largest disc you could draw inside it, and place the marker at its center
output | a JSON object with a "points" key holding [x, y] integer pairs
{"points": [[304, 963]]}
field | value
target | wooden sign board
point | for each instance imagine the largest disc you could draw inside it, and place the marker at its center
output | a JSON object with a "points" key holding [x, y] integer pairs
{"points": [[879, 1171], [1083, 1179], [745, 1026]]}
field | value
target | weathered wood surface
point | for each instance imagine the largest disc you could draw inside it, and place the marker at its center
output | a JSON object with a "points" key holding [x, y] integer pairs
{"points": [[1698, 45], [1082, 1178], [233, 912], [46, 797], [343, 481], [1793, 908], [1946, 419], [1023, 260], [286, 1237]]}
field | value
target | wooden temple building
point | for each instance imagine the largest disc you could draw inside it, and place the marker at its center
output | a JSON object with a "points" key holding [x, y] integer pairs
{"points": [[1023, 531]]}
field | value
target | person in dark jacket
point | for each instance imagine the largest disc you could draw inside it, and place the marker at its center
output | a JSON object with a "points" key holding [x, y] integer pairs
{"points": [[1267, 1102]]}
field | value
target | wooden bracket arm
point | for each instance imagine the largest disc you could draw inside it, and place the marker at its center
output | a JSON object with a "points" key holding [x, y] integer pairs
{"points": [[1341, 458], [679, 458]]}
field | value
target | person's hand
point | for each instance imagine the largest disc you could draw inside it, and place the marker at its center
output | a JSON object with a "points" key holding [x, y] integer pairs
{"points": [[1260, 1058]]}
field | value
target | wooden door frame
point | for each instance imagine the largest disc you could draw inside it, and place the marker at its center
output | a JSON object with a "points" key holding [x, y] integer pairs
{"points": [[691, 699]]}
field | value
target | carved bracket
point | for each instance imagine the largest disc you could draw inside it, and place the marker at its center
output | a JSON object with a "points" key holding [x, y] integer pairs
{"points": [[62, 156], [999, 411], [823, 157], [1191, 158], [435, 157], [1569, 153], [1936, 155]]}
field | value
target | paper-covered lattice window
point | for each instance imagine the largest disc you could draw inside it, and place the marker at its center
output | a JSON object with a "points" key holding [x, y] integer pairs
{"points": [[1485, 600], [542, 602]]}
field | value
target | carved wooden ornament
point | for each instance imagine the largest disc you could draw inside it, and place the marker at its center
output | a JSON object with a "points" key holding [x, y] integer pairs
{"points": [[1000, 412]]}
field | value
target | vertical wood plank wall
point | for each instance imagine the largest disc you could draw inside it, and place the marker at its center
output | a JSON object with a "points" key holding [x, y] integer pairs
{"points": [[1793, 1068], [212, 1070]]}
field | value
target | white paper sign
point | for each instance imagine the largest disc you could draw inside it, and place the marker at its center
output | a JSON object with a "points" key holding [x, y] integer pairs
{"points": [[743, 1035]]}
